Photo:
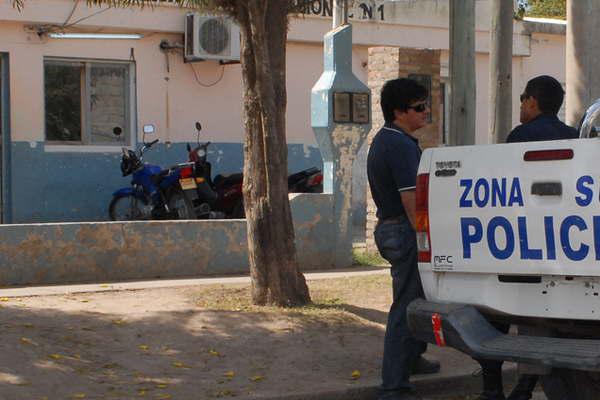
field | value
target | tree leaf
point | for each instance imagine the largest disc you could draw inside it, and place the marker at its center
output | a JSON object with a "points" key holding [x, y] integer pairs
{"points": [[25, 340], [229, 374]]}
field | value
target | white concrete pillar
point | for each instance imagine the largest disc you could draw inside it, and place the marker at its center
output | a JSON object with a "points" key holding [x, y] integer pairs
{"points": [[340, 13], [501, 31], [583, 57], [462, 72]]}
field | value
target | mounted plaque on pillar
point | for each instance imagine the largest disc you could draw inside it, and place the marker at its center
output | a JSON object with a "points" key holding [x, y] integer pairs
{"points": [[341, 107], [360, 108], [351, 108]]}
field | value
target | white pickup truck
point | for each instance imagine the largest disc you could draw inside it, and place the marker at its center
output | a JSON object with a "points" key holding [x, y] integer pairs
{"points": [[511, 233]]}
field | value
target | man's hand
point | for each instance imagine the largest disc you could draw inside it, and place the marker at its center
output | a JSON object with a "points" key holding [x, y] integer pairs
{"points": [[408, 198]]}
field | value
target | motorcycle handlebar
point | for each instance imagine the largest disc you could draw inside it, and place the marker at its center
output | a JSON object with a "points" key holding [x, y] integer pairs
{"points": [[200, 146], [146, 146]]}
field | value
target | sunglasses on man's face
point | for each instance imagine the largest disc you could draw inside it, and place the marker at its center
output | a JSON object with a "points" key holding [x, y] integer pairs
{"points": [[419, 107]]}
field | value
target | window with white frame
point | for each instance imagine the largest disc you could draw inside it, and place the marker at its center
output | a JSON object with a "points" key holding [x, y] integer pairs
{"points": [[86, 100]]}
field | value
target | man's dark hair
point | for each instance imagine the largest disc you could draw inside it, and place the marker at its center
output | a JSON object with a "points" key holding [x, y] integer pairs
{"points": [[547, 91], [399, 94]]}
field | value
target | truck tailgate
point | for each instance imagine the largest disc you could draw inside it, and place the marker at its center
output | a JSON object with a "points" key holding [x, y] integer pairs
{"points": [[499, 209]]}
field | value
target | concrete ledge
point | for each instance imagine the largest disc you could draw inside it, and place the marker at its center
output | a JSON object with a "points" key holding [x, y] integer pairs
{"points": [[37, 254]]}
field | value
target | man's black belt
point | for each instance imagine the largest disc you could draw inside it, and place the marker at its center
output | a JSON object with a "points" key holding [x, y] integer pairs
{"points": [[392, 220]]}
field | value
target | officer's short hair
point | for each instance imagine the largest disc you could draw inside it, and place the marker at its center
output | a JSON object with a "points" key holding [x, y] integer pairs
{"points": [[398, 94], [547, 91]]}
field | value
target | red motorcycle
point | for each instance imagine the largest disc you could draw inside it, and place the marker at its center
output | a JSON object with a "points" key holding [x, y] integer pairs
{"points": [[222, 197]]}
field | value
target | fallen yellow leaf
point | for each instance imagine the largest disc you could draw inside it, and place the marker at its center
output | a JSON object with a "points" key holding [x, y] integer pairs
{"points": [[85, 301], [355, 374], [162, 386], [229, 374], [28, 341], [142, 392], [118, 321], [257, 378], [55, 356], [178, 364], [143, 347], [79, 396], [4, 299], [165, 396], [104, 285], [27, 325], [213, 353]]}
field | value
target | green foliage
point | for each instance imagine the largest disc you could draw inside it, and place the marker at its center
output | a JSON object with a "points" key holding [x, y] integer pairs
{"points": [[547, 9], [361, 257]]}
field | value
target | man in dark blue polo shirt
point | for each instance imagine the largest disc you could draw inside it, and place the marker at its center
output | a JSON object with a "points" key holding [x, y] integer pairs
{"points": [[392, 171], [540, 102]]}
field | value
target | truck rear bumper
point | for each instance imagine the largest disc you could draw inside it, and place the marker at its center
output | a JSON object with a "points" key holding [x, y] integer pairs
{"points": [[463, 327]]}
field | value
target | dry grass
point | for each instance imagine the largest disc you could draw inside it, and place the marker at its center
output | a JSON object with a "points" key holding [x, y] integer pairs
{"points": [[330, 297]]}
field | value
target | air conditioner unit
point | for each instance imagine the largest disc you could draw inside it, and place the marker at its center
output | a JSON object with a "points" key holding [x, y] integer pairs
{"points": [[211, 38]]}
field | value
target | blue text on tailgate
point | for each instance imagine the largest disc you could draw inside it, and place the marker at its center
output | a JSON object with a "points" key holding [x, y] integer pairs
{"points": [[506, 237]]}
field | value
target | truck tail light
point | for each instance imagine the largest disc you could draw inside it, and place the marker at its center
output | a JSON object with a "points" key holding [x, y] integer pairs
{"points": [[422, 218], [548, 155]]}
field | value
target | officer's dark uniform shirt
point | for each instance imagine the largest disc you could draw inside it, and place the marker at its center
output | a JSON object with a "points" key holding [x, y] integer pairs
{"points": [[392, 166], [543, 127]]}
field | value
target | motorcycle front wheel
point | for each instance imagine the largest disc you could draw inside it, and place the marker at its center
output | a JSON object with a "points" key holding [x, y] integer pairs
{"points": [[180, 205], [125, 208]]}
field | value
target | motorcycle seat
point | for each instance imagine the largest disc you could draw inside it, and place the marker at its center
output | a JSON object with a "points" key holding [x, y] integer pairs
{"points": [[229, 179], [158, 178]]}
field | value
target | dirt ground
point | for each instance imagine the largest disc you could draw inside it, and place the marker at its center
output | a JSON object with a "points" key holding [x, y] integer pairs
{"points": [[191, 343]]}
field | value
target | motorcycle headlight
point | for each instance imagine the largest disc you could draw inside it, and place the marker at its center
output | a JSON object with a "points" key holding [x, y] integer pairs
{"points": [[201, 153]]}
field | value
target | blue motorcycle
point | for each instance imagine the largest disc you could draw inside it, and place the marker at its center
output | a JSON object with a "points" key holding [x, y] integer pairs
{"points": [[154, 193]]}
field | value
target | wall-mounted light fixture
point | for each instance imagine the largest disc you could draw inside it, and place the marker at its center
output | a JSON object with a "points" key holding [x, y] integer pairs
{"points": [[129, 36]]}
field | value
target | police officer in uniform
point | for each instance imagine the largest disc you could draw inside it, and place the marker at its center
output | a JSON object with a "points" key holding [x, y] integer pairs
{"points": [[540, 103]]}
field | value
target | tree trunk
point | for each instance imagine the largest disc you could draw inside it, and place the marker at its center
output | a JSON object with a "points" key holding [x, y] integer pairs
{"points": [[276, 278]]}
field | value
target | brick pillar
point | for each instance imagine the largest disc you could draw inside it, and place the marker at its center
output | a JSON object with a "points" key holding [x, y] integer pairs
{"points": [[387, 63]]}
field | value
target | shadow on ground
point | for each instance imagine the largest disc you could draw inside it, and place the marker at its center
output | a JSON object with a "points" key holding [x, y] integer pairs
{"points": [[123, 345]]}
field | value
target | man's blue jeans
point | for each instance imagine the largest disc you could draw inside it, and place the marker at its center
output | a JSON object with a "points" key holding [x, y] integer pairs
{"points": [[397, 244]]}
